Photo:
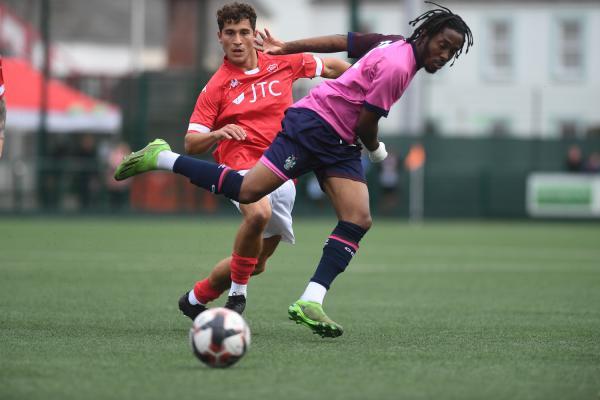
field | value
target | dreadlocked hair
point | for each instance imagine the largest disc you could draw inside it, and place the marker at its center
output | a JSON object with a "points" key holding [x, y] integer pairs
{"points": [[434, 21]]}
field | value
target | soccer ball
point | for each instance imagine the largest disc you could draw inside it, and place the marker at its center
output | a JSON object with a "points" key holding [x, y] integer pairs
{"points": [[219, 337]]}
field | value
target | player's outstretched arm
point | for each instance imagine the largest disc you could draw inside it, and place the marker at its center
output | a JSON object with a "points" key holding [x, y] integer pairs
{"points": [[334, 67], [321, 44], [201, 142]]}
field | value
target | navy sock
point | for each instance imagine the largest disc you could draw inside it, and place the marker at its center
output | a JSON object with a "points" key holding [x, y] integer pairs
{"points": [[210, 176], [339, 249]]}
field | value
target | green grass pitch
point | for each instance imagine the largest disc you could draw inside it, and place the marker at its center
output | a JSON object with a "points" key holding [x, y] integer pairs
{"points": [[439, 311]]}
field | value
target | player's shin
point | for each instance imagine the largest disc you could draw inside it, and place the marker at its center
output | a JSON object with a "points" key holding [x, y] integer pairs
{"points": [[204, 292], [338, 251], [241, 270], [215, 178]]}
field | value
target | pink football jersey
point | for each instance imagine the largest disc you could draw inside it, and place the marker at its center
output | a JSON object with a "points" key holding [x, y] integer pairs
{"points": [[375, 82]]}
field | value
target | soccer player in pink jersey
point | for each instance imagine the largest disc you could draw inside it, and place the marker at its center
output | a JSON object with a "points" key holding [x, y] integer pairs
{"points": [[239, 113], [324, 133]]}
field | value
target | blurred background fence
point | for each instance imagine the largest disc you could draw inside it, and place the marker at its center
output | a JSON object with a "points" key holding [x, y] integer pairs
{"points": [[462, 177]]}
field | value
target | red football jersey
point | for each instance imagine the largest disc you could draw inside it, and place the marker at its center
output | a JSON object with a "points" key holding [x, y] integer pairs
{"points": [[255, 100]]}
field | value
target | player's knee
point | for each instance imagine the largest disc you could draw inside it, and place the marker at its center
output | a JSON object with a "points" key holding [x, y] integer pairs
{"points": [[364, 221], [258, 218]]}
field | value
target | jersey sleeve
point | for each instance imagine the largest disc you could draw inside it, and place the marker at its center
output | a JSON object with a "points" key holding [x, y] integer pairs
{"points": [[306, 65], [386, 87], [206, 110], [359, 44]]}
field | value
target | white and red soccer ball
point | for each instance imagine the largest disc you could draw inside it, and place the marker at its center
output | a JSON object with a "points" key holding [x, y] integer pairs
{"points": [[219, 337]]}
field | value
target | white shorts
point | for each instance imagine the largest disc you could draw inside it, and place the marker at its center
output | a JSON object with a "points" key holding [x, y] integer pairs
{"points": [[282, 203]]}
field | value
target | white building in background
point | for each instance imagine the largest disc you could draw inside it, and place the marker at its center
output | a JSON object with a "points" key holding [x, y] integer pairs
{"points": [[534, 69]]}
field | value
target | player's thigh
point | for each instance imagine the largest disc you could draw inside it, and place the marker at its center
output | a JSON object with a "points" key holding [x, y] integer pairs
{"points": [[350, 199], [258, 182], [257, 213]]}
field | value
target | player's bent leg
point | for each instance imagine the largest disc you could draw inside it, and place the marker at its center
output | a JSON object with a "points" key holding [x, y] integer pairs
{"points": [[247, 248], [219, 280], [351, 201], [218, 179]]}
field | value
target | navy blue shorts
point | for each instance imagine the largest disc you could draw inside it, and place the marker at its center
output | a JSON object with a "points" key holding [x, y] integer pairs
{"points": [[308, 143]]}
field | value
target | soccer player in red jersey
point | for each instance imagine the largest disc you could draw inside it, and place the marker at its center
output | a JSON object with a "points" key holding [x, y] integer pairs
{"points": [[240, 111]]}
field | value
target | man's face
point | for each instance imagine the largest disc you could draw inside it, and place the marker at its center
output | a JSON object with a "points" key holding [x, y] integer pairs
{"points": [[441, 48], [237, 40]]}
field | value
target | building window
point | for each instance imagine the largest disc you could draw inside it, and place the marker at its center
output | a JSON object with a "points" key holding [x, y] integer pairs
{"points": [[500, 55], [570, 48]]}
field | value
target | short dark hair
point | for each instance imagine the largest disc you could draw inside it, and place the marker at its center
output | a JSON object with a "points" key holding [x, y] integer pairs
{"points": [[434, 21], [236, 12]]}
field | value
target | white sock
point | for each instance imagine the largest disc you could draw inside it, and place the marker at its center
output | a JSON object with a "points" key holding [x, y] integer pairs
{"points": [[314, 292], [237, 289], [192, 298], [166, 160]]}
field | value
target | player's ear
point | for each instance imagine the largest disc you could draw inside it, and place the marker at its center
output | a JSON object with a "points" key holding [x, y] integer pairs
{"points": [[219, 36]]}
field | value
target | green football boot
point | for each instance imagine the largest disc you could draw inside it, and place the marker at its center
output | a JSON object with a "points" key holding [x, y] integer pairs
{"points": [[311, 314], [141, 161]]}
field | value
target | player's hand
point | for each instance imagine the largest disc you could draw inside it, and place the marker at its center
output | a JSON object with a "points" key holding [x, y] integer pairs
{"points": [[230, 131], [379, 154], [268, 44]]}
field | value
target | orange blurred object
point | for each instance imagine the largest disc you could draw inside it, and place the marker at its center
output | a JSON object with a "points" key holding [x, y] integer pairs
{"points": [[415, 158]]}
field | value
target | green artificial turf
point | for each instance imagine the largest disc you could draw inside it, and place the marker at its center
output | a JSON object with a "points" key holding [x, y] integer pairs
{"points": [[88, 310]]}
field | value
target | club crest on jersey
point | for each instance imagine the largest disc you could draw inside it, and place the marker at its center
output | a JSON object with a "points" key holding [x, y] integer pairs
{"points": [[272, 67], [290, 163], [234, 83], [239, 99]]}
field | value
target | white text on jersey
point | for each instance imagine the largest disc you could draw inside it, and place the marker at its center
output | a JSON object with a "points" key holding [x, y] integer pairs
{"points": [[262, 85]]}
